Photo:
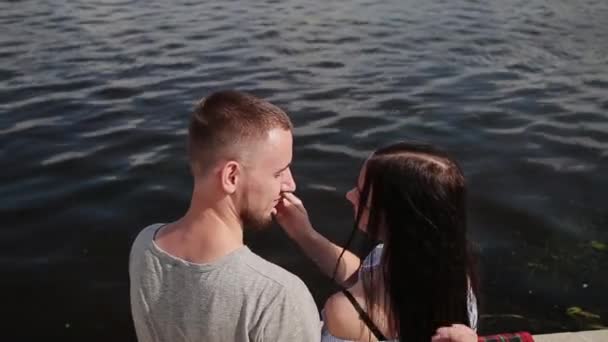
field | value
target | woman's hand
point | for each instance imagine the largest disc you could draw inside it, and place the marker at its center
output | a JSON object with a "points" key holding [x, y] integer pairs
{"points": [[292, 216], [455, 333]]}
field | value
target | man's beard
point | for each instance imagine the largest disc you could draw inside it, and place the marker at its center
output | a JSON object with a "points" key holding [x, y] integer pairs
{"points": [[254, 222]]}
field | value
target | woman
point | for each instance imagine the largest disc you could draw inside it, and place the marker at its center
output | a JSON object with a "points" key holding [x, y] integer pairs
{"points": [[411, 198]]}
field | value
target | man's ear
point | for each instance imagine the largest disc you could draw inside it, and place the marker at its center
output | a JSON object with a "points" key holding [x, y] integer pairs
{"points": [[230, 176]]}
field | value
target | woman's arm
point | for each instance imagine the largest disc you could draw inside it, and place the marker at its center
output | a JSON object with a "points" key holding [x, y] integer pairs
{"points": [[293, 218]]}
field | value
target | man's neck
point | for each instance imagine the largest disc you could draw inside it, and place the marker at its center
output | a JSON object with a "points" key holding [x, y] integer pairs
{"points": [[202, 235]]}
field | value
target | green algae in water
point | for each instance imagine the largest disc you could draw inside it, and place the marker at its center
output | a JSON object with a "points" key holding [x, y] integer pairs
{"points": [[599, 245], [575, 311]]}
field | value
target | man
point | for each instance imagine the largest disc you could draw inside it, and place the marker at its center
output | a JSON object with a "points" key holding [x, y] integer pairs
{"points": [[194, 279]]}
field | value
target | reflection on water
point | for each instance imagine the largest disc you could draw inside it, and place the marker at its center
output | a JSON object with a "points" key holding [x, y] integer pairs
{"points": [[94, 99]]}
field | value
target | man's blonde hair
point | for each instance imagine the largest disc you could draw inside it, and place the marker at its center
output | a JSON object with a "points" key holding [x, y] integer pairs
{"points": [[227, 124]]}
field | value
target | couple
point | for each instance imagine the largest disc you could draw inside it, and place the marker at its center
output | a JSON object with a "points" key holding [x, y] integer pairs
{"points": [[195, 280]]}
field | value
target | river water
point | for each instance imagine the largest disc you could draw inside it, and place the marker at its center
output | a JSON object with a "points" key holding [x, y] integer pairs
{"points": [[94, 103]]}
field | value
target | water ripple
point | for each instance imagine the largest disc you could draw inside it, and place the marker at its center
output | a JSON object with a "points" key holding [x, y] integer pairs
{"points": [[28, 124], [95, 96]]}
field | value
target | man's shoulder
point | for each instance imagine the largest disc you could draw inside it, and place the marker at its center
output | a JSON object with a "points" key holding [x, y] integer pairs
{"points": [[144, 239], [274, 274], [290, 298]]}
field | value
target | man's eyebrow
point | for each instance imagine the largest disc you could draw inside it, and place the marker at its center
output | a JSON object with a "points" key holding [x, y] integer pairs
{"points": [[285, 168]]}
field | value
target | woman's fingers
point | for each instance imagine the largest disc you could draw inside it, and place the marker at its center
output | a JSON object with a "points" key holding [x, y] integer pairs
{"points": [[290, 199], [455, 333]]}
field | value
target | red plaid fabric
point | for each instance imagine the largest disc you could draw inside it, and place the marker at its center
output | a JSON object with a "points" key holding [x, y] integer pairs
{"points": [[521, 336]]}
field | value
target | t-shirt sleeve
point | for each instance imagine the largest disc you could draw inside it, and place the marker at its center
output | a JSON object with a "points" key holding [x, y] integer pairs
{"points": [[291, 316]]}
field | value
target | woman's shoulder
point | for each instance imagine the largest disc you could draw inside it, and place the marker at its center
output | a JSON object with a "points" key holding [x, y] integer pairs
{"points": [[341, 319]]}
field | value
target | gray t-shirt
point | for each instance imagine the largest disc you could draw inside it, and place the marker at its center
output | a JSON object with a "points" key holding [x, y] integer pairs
{"points": [[239, 297]]}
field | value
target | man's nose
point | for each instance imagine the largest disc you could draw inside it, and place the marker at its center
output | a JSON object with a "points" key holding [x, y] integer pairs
{"points": [[289, 184]]}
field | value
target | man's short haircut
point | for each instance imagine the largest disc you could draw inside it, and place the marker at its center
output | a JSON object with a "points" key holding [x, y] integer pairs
{"points": [[227, 124]]}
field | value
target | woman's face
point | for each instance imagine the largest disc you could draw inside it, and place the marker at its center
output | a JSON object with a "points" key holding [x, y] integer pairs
{"points": [[353, 196]]}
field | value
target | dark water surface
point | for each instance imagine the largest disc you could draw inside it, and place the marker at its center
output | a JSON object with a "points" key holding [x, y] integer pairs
{"points": [[95, 96]]}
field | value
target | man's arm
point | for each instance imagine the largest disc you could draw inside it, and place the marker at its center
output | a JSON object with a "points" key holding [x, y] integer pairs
{"points": [[293, 218]]}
